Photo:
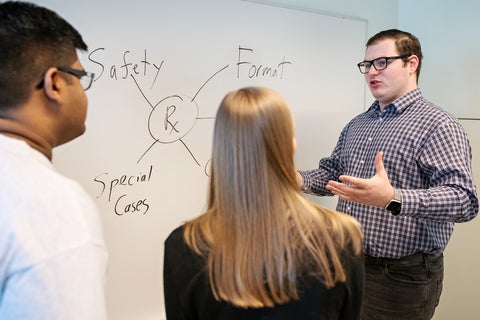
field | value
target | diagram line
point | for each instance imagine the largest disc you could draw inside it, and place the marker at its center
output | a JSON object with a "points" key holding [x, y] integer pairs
{"points": [[146, 151], [188, 149], [201, 87], [136, 83]]}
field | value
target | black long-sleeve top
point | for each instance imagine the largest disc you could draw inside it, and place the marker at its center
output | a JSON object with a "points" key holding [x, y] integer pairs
{"points": [[188, 294]]}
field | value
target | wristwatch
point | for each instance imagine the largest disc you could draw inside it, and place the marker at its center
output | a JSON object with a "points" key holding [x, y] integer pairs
{"points": [[395, 205]]}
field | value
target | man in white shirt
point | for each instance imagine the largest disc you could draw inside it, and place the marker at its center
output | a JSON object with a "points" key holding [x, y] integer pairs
{"points": [[53, 257]]}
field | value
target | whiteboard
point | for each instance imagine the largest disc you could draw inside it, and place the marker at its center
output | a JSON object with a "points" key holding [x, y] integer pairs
{"points": [[162, 68]]}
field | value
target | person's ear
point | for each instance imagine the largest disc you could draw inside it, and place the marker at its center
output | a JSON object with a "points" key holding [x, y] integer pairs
{"points": [[51, 85], [294, 145], [413, 63]]}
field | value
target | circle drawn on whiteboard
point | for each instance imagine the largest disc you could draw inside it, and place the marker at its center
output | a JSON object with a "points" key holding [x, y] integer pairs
{"points": [[172, 118]]}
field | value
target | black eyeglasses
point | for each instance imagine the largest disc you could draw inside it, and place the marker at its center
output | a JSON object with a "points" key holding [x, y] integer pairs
{"points": [[379, 63], [86, 78]]}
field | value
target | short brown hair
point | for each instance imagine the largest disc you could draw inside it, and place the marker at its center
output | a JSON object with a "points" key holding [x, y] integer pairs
{"points": [[405, 42]]}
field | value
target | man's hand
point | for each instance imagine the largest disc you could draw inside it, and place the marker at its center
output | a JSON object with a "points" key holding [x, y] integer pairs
{"points": [[376, 191]]}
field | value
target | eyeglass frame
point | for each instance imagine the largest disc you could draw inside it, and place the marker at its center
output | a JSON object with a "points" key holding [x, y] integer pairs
{"points": [[77, 73], [372, 62]]}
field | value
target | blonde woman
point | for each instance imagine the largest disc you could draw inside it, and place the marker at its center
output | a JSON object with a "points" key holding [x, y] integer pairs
{"points": [[261, 250]]}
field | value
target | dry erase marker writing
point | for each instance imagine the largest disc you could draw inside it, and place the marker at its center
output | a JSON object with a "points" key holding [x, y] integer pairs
{"points": [[139, 66], [123, 183], [123, 206], [245, 67]]}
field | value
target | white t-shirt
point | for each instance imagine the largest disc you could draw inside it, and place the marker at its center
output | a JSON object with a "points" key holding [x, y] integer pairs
{"points": [[53, 257]]}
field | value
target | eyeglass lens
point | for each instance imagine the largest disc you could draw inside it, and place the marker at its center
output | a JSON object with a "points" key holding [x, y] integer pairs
{"points": [[86, 81], [378, 64]]}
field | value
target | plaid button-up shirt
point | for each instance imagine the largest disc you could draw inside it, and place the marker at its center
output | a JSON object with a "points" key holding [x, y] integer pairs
{"points": [[427, 156]]}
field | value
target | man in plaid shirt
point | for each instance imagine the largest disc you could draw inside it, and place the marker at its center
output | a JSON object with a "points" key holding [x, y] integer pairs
{"points": [[403, 168]]}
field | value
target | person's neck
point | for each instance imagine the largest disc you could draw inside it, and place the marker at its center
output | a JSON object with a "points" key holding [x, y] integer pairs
{"points": [[16, 130], [385, 104]]}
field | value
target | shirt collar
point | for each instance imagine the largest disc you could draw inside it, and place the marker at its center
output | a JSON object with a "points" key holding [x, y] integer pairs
{"points": [[16, 130], [401, 103]]}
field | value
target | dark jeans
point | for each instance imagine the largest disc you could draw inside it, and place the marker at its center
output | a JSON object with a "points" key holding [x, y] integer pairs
{"points": [[407, 288]]}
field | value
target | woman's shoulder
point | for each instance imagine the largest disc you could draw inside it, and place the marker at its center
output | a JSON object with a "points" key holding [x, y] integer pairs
{"points": [[175, 238]]}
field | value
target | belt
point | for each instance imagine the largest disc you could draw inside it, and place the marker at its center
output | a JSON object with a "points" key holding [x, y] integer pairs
{"points": [[418, 257]]}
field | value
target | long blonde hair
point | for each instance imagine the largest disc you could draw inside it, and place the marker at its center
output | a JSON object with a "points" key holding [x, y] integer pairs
{"points": [[260, 236]]}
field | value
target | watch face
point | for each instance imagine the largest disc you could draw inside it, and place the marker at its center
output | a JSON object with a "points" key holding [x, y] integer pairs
{"points": [[394, 206]]}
